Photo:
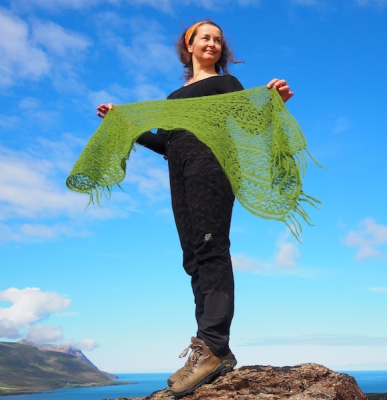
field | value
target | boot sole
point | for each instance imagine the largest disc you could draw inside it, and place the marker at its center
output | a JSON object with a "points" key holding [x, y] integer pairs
{"points": [[221, 370]]}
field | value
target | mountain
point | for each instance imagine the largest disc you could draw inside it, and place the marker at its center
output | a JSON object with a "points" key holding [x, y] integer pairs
{"points": [[24, 368], [67, 350]]}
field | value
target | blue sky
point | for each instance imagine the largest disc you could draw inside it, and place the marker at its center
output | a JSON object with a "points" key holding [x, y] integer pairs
{"points": [[109, 279]]}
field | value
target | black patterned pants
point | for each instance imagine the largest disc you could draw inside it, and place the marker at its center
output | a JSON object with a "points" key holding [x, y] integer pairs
{"points": [[202, 202]]}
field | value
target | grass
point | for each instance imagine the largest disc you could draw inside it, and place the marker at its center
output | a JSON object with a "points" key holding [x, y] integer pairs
{"points": [[26, 369]]}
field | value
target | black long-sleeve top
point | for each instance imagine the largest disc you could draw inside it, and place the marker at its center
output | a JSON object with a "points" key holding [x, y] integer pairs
{"points": [[218, 84]]}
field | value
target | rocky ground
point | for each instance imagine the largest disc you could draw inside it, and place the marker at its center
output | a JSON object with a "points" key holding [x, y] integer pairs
{"points": [[301, 382]]}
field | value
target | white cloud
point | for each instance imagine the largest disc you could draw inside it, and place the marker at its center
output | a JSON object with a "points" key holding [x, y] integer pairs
{"points": [[8, 234], [147, 52], [54, 5], [283, 261], [84, 345], [320, 340], [8, 329], [33, 112], [146, 92], [37, 49], [242, 263], [341, 224], [162, 5], [88, 345], [366, 252], [102, 97], [377, 3], [9, 122], [44, 334], [32, 187], [362, 3], [28, 307], [28, 188], [378, 289], [116, 94], [58, 40], [164, 211], [370, 238], [305, 2], [287, 256], [217, 4], [20, 57], [39, 232], [151, 181]]}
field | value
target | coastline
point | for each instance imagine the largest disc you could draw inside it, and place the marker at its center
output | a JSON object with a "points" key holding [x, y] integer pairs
{"points": [[376, 396], [373, 385], [38, 391]]}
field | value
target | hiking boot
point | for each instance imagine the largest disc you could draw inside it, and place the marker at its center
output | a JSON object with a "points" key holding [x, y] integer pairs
{"points": [[201, 367], [230, 358], [174, 377]]}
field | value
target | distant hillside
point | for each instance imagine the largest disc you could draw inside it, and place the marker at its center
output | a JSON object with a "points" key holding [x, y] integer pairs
{"points": [[67, 350], [61, 349], [24, 368]]}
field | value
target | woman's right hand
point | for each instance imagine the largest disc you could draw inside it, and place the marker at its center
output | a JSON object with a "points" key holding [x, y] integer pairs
{"points": [[103, 109], [282, 88]]}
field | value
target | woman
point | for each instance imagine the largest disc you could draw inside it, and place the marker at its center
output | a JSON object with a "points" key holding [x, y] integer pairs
{"points": [[202, 202]]}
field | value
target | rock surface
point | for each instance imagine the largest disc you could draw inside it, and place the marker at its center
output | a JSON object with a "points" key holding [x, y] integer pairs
{"points": [[301, 382]]}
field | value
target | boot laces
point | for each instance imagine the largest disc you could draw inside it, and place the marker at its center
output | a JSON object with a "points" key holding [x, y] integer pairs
{"points": [[192, 359]]}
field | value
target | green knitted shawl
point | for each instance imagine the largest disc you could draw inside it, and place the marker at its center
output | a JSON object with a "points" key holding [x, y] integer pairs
{"points": [[252, 134]]}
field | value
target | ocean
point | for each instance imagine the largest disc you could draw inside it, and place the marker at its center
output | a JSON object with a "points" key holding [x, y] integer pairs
{"points": [[368, 381]]}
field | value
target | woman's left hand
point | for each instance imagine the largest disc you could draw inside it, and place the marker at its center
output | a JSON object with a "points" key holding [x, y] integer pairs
{"points": [[282, 88], [103, 109]]}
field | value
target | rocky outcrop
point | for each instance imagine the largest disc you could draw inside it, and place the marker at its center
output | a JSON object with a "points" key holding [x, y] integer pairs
{"points": [[301, 382]]}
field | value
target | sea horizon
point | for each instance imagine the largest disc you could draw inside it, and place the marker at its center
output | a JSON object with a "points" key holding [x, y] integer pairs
{"points": [[144, 384]]}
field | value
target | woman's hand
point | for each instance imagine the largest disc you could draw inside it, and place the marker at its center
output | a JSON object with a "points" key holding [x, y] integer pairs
{"points": [[103, 109], [282, 88]]}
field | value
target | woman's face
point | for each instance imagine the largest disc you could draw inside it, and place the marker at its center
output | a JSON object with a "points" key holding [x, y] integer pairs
{"points": [[206, 48]]}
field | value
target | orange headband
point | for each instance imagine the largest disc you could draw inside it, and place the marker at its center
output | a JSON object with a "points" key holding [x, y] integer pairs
{"points": [[190, 32]]}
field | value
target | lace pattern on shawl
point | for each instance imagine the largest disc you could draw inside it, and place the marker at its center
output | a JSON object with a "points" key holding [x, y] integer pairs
{"points": [[252, 134]]}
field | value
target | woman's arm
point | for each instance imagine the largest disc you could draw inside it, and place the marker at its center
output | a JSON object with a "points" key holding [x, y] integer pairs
{"points": [[156, 142]]}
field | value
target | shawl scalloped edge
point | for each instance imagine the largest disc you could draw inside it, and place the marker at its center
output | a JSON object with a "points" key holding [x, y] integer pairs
{"points": [[258, 143]]}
